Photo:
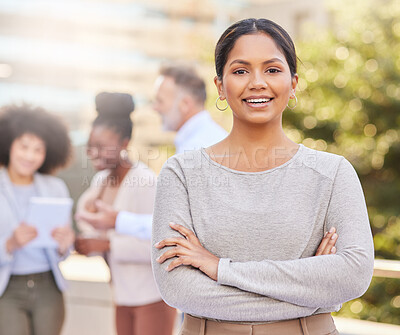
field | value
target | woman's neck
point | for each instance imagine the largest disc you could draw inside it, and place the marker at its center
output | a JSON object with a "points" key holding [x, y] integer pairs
{"points": [[19, 179], [251, 137], [119, 173], [254, 147]]}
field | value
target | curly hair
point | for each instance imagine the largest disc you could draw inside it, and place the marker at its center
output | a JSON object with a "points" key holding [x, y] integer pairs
{"points": [[16, 121]]}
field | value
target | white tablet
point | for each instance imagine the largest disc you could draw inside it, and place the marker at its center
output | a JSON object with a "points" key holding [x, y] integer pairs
{"points": [[46, 214]]}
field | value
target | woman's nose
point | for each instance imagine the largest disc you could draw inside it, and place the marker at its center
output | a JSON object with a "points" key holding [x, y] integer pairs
{"points": [[257, 81]]}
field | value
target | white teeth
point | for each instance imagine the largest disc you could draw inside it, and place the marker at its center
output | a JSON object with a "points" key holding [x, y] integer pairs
{"points": [[257, 100]]}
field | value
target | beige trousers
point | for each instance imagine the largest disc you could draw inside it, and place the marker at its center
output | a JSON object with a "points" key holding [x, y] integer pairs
{"points": [[321, 324]]}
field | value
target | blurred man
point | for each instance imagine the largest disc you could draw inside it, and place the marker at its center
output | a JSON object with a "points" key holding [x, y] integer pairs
{"points": [[180, 98]]}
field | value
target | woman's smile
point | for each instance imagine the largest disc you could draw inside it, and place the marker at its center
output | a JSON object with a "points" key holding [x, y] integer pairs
{"points": [[257, 84], [258, 102]]}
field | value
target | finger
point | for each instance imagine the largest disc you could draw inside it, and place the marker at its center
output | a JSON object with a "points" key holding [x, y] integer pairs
{"points": [[103, 207], [30, 235], [62, 231], [185, 232], [27, 239], [57, 231], [178, 251], [325, 241], [27, 229], [31, 230], [330, 245], [90, 218], [184, 260], [61, 237], [172, 242]]}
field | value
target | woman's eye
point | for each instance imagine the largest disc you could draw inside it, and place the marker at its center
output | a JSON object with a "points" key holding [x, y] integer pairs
{"points": [[239, 72], [273, 71]]}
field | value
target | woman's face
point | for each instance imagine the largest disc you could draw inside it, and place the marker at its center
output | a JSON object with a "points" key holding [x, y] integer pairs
{"points": [[256, 82], [104, 148], [27, 155]]}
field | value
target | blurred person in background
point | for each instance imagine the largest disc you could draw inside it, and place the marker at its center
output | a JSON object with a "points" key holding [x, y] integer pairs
{"points": [[123, 186], [179, 99], [33, 144]]}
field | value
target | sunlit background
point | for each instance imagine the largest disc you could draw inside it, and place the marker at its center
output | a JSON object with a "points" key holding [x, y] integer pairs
{"points": [[60, 54]]}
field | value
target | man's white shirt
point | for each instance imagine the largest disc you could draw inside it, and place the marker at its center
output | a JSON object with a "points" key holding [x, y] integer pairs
{"points": [[200, 131]]}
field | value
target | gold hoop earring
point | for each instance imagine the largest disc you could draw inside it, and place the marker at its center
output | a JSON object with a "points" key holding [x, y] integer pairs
{"points": [[221, 109], [295, 104]]}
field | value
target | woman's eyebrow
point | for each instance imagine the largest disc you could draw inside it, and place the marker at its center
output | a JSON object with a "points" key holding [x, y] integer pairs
{"points": [[241, 61]]}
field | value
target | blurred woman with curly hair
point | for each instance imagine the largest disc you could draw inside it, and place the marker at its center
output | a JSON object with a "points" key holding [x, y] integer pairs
{"points": [[33, 144]]}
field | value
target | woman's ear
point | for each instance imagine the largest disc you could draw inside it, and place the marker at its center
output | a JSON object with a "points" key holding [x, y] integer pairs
{"points": [[220, 87], [295, 80]]}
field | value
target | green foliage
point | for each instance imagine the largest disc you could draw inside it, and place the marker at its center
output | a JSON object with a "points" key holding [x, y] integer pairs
{"points": [[380, 303], [349, 103]]}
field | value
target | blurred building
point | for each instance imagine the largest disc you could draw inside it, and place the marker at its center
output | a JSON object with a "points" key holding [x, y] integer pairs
{"points": [[59, 54]]}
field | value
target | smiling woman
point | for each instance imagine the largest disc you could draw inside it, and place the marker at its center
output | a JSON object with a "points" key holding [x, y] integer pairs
{"points": [[33, 144], [257, 87], [122, 185], [240, 257]]}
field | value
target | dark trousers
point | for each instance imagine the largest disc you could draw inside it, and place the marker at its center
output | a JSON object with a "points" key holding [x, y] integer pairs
{"points": [[31, 305]]}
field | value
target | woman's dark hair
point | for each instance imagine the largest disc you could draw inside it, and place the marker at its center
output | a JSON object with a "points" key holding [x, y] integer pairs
{"points": [[252, 26], [114, 110], [16, 121]]}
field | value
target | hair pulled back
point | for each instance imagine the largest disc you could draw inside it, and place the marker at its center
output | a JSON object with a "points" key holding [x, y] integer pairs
{"points": [[252, 26], [114, 110]]}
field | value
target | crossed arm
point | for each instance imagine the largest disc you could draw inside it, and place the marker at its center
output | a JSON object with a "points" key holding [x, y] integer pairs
{"points": [[188, 251], [190, 273]]}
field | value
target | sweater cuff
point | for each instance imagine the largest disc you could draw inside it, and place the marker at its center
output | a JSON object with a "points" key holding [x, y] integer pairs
{"points": [[223, 269]]}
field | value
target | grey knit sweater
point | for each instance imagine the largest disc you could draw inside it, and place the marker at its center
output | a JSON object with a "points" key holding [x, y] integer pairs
{"points": [[265, 227]]}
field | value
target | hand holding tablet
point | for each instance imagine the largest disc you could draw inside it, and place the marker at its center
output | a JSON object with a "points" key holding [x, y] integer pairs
{"points": [[47, 214]]}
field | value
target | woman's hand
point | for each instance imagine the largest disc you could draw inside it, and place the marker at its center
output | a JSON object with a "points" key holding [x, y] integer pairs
{"points": [[21, 236], [86, 246], [65, 237], [188, 251], [103, 218], [327, 246]]}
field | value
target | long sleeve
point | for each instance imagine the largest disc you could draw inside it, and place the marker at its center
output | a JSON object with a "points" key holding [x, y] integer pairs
{"points": [[5, 231], [324, 280], [190, 290], [137, 225], [131, 240], [125, 248], [268, 283]]}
